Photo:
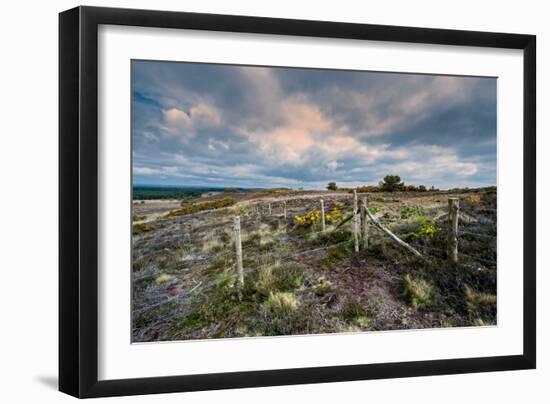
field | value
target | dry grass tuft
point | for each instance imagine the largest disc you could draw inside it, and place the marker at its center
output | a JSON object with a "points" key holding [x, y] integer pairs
{"points": [[479, 303], [163, 279], [418, 292], [322, 287], [279, 277], [281, 303]]}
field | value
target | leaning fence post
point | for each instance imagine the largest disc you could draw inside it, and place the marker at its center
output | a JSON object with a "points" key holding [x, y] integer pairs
{"points": [[452, 235], [323, 215], [364, 224], [238, 248], [355, 222], [284, 209]]}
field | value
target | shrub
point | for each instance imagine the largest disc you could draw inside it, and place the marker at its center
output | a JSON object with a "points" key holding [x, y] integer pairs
{"points": [[141, 228], [368, 188], [422, 228], [332, 186], [475, 199], [138, 218], [426, 227], [202, 206], [314, 217], [335, 216], [418, 292]]}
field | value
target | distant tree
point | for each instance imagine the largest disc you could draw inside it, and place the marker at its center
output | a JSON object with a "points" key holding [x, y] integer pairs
{"points": [[422, 188], [332, 186], [392, 183]]}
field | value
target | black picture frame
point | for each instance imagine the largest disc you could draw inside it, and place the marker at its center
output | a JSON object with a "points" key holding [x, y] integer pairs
{"points": [[78, 201]]}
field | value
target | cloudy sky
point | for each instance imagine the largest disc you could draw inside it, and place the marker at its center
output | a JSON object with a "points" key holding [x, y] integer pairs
{"points": [[241, 126]]}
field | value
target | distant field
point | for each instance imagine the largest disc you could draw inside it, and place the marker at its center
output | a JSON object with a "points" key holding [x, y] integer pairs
{"points": [[148, 192]]}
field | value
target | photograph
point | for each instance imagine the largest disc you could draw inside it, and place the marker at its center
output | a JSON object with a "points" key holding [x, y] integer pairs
{"points": [[271, 201]]}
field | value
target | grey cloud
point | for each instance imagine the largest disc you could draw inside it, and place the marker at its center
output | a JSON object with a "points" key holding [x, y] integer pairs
{"points": [[303, 127]]}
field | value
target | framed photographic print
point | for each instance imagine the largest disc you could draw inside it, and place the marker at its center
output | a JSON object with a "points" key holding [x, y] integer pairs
{"points": [[251, 201]]}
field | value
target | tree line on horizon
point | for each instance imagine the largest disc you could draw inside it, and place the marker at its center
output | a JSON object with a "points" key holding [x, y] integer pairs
{"points": [[390, 183]]}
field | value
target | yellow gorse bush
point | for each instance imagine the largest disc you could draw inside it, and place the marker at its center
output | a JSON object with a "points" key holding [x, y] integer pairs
{"points": [[475, 199], [426, 227], [314, 217]]}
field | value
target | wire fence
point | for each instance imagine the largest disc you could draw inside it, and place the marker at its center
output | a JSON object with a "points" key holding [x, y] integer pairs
{"points": [[362, 220]]}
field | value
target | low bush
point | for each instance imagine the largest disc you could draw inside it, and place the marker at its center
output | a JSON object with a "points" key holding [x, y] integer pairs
{"points": [[141, 228], [474, 199], [421, 228], [202, 206], [314, 217]]}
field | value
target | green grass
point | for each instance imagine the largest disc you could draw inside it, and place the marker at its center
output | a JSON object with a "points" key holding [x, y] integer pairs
{"points": [[421, 228], [279, 277], [352, 310], [138, 218], [407, 212], [216, 311], [354, 315], [337, 253]]}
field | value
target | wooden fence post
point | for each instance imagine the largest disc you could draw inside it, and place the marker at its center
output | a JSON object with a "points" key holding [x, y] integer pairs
{"points": [[355, 222], [269, 208], [238, 249], [323, 215], [364, 224], [452, 235], [284, 209]]}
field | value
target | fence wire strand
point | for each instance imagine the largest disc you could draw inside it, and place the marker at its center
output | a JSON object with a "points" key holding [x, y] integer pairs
{"points": [[258, 213]]}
